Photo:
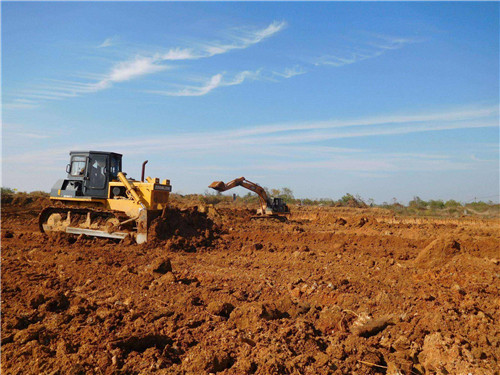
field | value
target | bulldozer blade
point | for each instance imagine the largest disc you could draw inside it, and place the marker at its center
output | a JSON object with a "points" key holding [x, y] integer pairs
{"points": [[143, 222], [217, 185], [96, 233], [142, 227]]}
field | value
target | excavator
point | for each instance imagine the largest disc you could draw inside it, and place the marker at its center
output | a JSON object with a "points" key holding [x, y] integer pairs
{"points": [[269, 208], [97, 199]]}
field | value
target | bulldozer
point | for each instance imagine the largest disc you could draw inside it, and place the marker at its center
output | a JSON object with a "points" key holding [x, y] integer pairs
{"points": [[97, 199], [269, 207]]}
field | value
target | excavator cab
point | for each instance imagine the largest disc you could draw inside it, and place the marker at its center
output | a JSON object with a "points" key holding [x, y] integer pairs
{"points": [[89, 173], [279, 205]]}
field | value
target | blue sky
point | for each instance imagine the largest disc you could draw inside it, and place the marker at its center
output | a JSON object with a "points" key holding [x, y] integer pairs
{"points": [[378, 99]]}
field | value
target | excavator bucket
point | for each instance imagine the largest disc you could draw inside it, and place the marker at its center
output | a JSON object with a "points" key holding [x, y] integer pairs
{"points": [[217, 185]]}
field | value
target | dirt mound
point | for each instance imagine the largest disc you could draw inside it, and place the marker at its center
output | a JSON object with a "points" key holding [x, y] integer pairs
{"points": [[438, 252], [186, 229]]}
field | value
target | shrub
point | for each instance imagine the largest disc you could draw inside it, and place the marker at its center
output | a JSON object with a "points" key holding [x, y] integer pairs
{"points": [[7, 191], [346, 198], [452, 203], [436, 204], [213, 198], [417, 203], [39, 194]]}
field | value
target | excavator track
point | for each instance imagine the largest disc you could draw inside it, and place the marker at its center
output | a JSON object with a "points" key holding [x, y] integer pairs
{"points": [[280, 218], [84, 221]]}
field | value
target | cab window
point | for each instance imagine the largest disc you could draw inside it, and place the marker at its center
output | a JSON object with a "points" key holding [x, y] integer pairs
{"points": [[114, 167], [78, 166], [98, 171]]}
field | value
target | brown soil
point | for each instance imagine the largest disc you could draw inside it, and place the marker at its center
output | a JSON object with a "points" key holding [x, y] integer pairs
{"points": [[331, 291]]}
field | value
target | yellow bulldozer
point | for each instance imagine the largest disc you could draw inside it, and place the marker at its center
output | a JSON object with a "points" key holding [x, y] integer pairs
{"points": [[97, 199]]}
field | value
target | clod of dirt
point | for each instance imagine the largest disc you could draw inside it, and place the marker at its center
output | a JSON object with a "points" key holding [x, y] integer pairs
{"points": [[142, 343], [289, 308], [163, 280], [258, 246], [206, 360], [362, 221], [367, 326], [438, 252], [55, 303], [440, 354], [340, 221], [7, 234], [219, 308], [248, 315], [168, 278], [177, 243], [330, 319], [36, 301], [77, 369], [29, 334], [161, 265]]}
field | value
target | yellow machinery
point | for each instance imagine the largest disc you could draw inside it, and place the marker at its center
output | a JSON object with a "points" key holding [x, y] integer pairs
{"points": [[269, 207], [97, 199]]}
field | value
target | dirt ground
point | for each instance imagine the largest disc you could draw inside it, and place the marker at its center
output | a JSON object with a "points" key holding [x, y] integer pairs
{"points": [[331, 291]]}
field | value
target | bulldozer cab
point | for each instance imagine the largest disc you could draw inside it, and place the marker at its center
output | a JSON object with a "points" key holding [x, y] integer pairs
{"points": [[91, 171]]}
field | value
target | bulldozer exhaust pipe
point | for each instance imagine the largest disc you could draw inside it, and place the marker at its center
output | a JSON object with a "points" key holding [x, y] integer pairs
{"points": [[143, 170]]}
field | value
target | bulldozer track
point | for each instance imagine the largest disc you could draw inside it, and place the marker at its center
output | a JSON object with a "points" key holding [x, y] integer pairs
{"points": [[103, 214]]}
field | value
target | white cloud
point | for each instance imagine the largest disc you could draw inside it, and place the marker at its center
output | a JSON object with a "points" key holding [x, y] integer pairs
{"points": [[143, 65], [20, 104], [291, 72], [245, 40], [127, 70], [214, 82], [290, 141], [179, 54], [240, 39], [108, 42], [453, 115], [33, 135], [375, 46]]}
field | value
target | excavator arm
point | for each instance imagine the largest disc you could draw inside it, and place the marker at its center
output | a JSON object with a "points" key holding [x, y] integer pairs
{"points": [[259, 190]]}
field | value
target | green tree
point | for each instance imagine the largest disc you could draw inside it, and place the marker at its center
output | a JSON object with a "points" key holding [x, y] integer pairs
{"points": [[287, 194], [7, 191]]}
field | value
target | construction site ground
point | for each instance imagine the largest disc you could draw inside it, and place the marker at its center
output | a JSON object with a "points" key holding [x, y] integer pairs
{"points": [[330, 291]]}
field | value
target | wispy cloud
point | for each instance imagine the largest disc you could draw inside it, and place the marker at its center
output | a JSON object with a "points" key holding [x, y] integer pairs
{"points": [[446, 116], [373, 47], [291, 72], [20, 104], [33, 135], [243, 39], [213, 83], [142, 65], [127, 70], [108, 42], [290, 141], [382, 163]]}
